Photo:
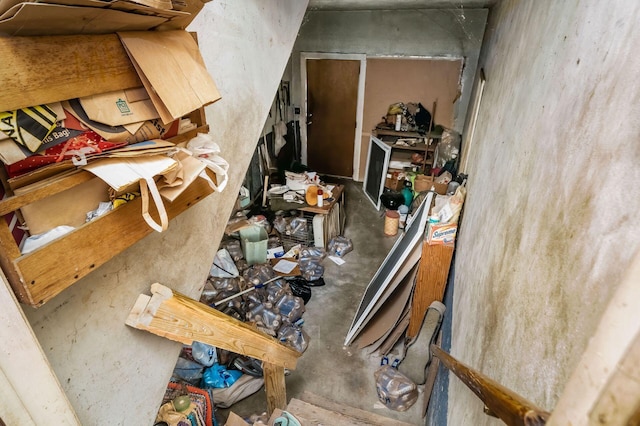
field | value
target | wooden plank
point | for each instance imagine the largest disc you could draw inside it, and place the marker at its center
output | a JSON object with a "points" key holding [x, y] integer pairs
{"points": [[8, 253], [52, 268], [274, 386], [312, 415], [510, 407], [179, 318], [45, 69], [431, 379], [355, 413], [430, 285], [42, 191]]}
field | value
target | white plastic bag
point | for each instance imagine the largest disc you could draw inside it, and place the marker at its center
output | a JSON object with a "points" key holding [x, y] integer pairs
{"points": [[223, 266], [206, 150]]}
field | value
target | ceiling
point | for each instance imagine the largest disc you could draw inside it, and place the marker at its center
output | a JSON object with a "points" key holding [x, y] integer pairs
{"points": [[397, 4]]}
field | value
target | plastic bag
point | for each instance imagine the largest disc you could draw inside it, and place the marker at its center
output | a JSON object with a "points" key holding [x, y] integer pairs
{"points": [[311, 268], [448, 148], [187, 370], [234, 248], [294, 337], [339, 246], [223, 266], [204, 354], [35, 241], [206, 150], [217, 376], [395, 390], [290, 307]]}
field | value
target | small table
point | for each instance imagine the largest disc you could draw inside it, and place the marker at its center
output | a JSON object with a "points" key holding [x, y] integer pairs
{"points": [[337, 194]]}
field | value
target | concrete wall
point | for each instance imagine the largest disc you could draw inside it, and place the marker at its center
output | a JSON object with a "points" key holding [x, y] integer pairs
{"points": [[433, 33], [550, 224], [114, 375]]}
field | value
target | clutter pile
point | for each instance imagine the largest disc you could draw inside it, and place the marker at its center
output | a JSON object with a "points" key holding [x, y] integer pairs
{"points": [[255, 281], [402, 304], [122, 147]]}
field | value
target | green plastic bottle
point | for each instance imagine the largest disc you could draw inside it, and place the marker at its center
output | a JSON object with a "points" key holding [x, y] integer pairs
{"points": [[407, 193]]}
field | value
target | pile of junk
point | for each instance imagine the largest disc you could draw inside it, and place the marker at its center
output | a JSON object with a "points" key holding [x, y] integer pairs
{"points": [[253, 280]]}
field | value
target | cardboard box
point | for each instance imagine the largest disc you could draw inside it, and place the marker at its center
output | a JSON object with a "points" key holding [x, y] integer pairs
{"points": [[395, 180], [424, 183], [442, 234]]}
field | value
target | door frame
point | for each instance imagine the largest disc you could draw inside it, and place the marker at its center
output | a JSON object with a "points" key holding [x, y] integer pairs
{"points": [[359, 105]]}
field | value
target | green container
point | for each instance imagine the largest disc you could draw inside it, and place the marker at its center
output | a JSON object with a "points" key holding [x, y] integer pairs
{"points": [[254, 244]]}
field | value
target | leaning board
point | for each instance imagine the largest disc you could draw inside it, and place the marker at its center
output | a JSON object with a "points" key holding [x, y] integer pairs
{"points": [[403, 245]]}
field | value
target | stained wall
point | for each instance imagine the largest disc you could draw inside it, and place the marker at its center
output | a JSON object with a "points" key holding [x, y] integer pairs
{"points": [[550, 223]]}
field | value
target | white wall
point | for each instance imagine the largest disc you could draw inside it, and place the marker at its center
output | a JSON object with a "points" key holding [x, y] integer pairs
{"points": [[550, 224], [115, 375]]}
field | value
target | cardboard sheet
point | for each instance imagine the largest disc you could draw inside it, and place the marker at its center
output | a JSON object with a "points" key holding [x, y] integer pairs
{"points": [[120, 173], [170, 65], [120, 107], [390, 312], [122, 5], [177, 181], [65, 208], [28, 19]]}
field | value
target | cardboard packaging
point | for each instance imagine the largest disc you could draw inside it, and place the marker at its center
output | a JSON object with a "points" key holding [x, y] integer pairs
{"points": [[424, 183], [442, 234], [120, 107], [172, 70], [395, 180]]}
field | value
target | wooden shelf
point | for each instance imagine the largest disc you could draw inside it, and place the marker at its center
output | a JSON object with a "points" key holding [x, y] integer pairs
{"points": [[38, 276]]}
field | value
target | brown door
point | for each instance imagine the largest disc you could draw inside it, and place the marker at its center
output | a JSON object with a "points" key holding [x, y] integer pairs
{"points": [[331, 127]]}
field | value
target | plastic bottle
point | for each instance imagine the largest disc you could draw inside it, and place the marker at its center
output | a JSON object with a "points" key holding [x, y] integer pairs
{"points": [[407, 193], [320, 198]]}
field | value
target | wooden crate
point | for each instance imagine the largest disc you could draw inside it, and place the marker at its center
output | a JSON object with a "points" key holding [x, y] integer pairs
{"points": [[100, 65]]}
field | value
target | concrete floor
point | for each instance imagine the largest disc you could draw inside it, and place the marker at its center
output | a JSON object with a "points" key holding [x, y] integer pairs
{"points": [[327, 368]]}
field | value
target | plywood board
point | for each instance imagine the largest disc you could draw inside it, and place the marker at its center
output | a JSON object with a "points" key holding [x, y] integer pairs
{"points": [[430, 284], [42, 74]]}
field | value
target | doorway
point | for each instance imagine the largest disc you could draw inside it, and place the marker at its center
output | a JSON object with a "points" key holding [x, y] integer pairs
{"points": [[333, 88]]}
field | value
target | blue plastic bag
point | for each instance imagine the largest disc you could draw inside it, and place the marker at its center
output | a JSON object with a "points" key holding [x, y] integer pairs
{"points": [[217, 376]]}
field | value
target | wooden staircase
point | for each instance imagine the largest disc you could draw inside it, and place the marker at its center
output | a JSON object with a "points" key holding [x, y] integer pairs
{"points": [[314, 410]]}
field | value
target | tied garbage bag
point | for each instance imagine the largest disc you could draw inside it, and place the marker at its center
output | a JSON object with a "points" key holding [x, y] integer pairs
{"points": [[339, 246], [217, 376], [395, 390]]}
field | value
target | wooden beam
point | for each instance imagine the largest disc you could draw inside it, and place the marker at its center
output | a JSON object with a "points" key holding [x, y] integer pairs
{"points": [[430, 283], [39, 70], [179, 318], [274, 386], [510, 407]]}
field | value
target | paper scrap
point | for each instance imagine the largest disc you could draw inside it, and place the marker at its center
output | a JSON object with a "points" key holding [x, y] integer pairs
{"points": [[285, 266], [337, 260], [274, 253]]}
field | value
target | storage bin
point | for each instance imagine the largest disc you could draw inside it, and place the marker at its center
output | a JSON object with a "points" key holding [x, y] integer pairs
{"points": [[254, 244]]}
